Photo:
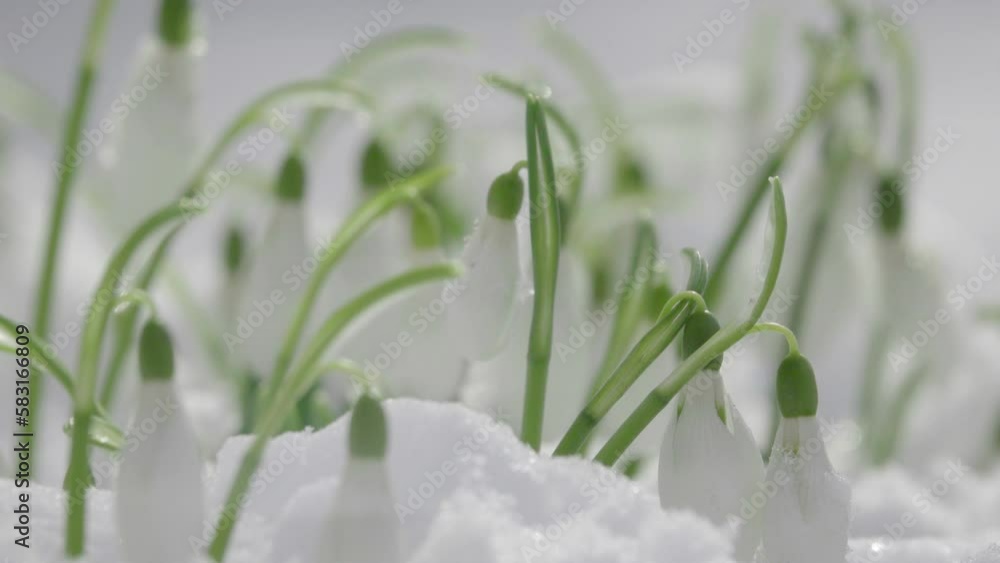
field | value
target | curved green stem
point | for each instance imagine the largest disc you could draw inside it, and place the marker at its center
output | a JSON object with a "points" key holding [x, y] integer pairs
{"points": [[356, 225], [672, 318], [78, 477], [790, 339], [544, 226], [301, 380], [716, 345], [40, 346], [65, 176], [128, 319], [774, 163]]}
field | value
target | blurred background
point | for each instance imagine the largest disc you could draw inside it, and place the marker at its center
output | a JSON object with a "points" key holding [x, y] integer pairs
{"points": [[692, 113]]}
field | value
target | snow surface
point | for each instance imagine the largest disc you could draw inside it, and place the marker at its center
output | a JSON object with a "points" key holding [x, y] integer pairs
{"points": [[466, 490]]}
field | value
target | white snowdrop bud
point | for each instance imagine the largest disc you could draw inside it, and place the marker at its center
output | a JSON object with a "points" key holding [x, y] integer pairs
{"points": [[709, 462], [159, 500], [482, 311], [148, 142], [363, 526], [267, 307], [808, 515]]}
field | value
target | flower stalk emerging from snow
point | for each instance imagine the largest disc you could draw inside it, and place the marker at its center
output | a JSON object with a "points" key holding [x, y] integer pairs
{"points": [[807, 518], [544, 217], [362, 526], [660, 397], [158, 502]]}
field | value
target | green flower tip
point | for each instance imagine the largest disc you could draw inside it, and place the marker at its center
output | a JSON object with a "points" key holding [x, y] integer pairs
{"points": [[796, 386], [292, 179], [632, 176], [505, 197], [890, 197], [369, 433], [697, 330], [234, 249], [425, 226], [176, 17], [156, 353], [376, 166]]}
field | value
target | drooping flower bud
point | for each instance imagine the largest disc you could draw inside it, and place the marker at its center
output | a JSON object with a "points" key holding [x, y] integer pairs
{"points": [[176, 22], [505, 196], [889, 195], [268, 303], [481, 311], [709, 461], [156, 353], [698, 329], [159, 497], [363, 526], [376, 166], [808, 515], [234, 250], [425, 226]]}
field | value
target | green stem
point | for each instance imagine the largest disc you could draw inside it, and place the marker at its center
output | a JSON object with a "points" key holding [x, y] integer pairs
{"points": [[127, 322], [793, 343], [669, 324], [628, 312], [544, 226], [311, 93], [90, 351], [566, 129], [884, 444], [301, 380], [356, 225], [67, 169], [40, 346], [772, 166], [715, 346]]}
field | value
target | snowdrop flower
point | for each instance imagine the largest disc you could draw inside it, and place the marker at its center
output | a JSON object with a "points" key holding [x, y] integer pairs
{"points": [[268, 306], [158, 503], [709, 462], [807, 515], [363, 526], [153, 133], [481, 316]]}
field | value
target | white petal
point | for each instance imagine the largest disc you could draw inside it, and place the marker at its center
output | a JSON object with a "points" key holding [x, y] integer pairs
{"points": [[159, 499], [363, 527], [148, 147], [710, 466], [481, 314], [807, 515], [269, 302]]}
